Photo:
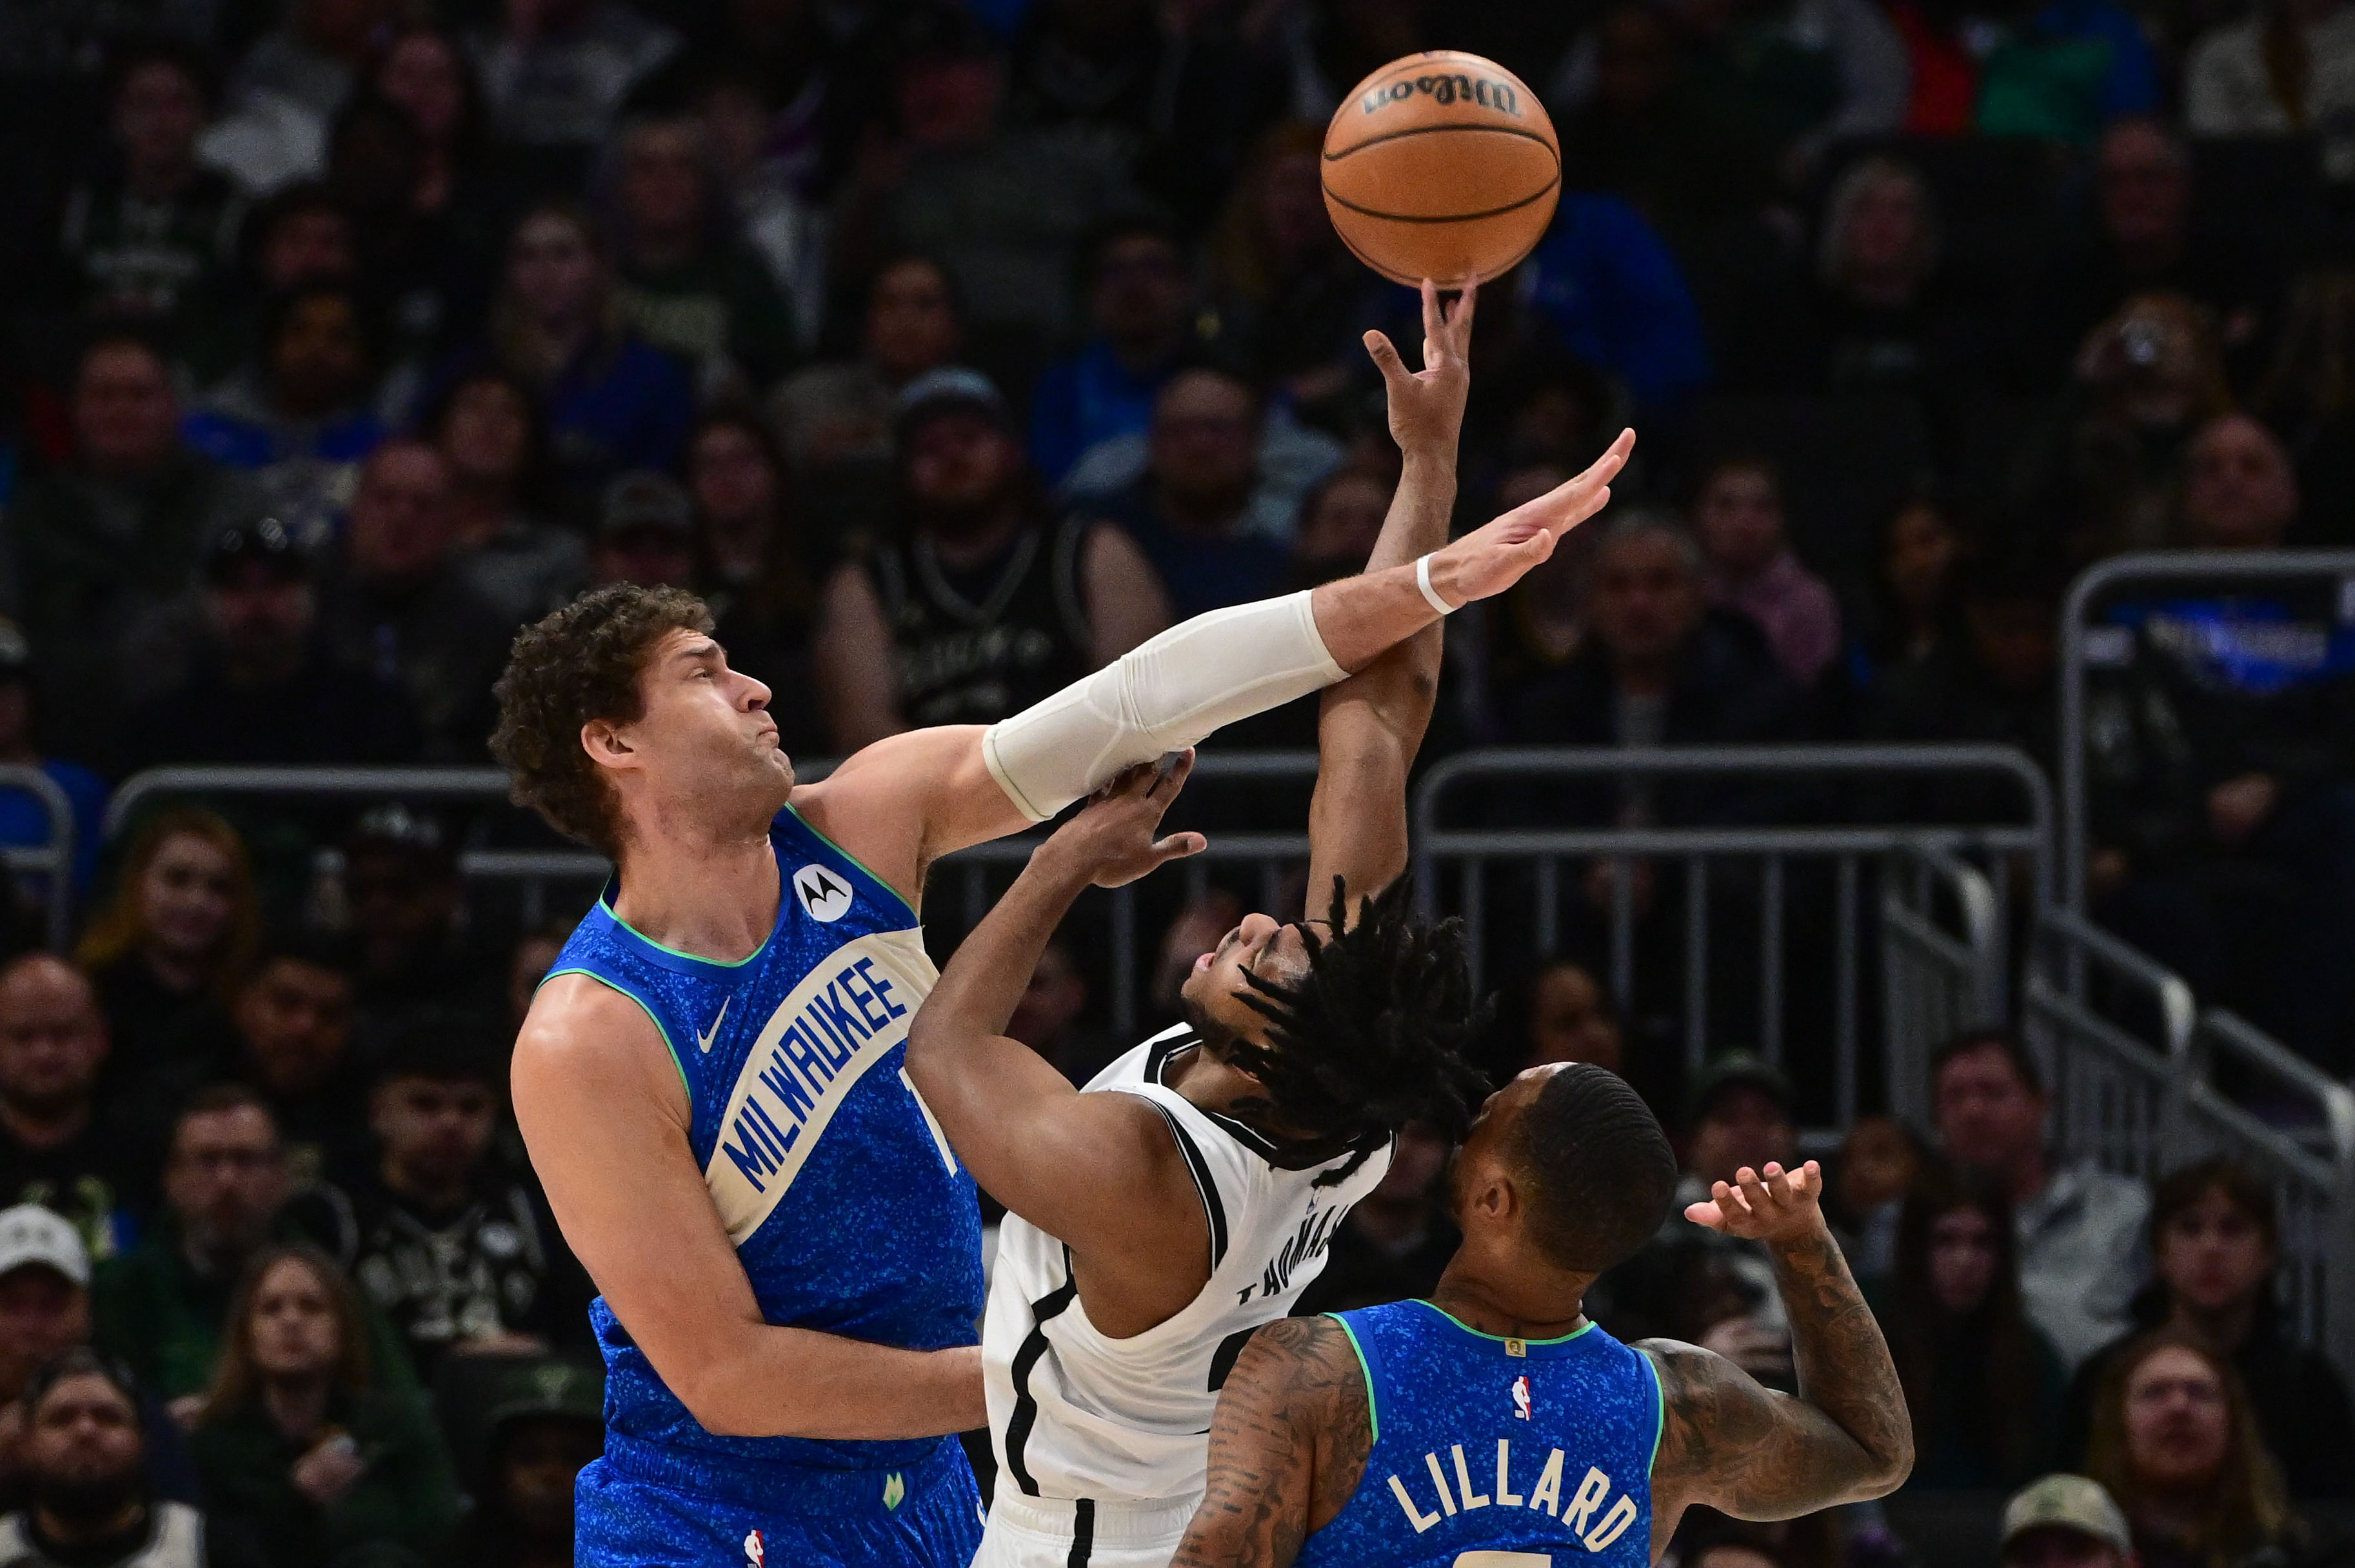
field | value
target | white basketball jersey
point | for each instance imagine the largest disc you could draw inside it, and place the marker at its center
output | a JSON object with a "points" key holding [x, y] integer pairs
{"points": [[1074, 1414]]}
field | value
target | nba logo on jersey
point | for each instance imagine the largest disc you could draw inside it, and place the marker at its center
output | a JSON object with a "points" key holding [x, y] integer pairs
{"points": [[825, 896], [756, 1551], [1521, 1397]]}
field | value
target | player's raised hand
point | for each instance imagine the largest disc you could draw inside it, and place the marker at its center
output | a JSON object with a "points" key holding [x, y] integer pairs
{"points": [[1490, 560], [1427, 405], [1112, 839], [1779, 1206]]}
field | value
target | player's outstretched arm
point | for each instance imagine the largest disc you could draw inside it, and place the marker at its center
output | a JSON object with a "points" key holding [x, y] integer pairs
{"points": [[605, 1116], [1098, 1172], [1757, 1454], [960, 787], [1288, 1443]]}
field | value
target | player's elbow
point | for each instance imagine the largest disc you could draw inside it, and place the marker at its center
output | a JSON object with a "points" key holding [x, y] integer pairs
{"points": [[1891, 1462], [719, 1405]]}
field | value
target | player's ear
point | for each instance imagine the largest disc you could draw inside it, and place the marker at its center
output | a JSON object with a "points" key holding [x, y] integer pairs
{"points": [[606, 745]]}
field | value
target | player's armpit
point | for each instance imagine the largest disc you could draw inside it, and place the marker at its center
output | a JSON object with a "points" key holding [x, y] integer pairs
{"points": [[605, 1117], [902, 802], [1288, 1443]]}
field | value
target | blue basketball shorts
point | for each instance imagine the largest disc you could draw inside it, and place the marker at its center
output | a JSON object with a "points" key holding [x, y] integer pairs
{"points": [[644, 1506]]}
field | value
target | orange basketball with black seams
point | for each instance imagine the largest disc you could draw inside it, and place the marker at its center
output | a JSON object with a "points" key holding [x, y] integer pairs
{"points": [[1441, 165]]}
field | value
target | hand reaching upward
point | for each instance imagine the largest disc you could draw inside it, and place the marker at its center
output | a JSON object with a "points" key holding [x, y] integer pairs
{"points": [[1780, 1205], [1427, 405], [1490, 560]]}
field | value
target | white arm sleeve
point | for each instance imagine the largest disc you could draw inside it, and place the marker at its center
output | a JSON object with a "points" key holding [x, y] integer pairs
{"points": [[1162, 696]]}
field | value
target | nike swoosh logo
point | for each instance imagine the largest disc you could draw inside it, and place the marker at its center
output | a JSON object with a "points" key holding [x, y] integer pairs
{"points": [[704, 1038]]}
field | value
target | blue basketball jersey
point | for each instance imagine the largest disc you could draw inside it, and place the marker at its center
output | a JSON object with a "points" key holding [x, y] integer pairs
{"points": [[847, 1210], [1496, 1453]]}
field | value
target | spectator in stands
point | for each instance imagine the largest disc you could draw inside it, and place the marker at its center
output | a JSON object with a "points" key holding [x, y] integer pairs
{"points": [[58, 1143], [690, 285], [1995, 684], [755, 569], [228, 1192], [611, 402], [1879, 1162], [839, 413], [2066, 1521], [394, 602], [313, 59], [765, 177], [2240, 491], [463, 1257], [2303, 395], [2175, 1442], [1747, 65], [646, 533], [2067, 69], [487, 429], [1397, 1238], [1005, 208], [1661, 668], [240, 673], [298, 1441], [556, 73], [44, 1302], [1570, 1017], [1616, 299], [24, 819], [2142, 241], [409, 150], [1738, 520], [897, 643], [1051, 1017], [1533, 628], [548, 1425], [1292, 293], [2079, 1229], [1982, 1384], [1882, 323], [168, 950], [1191, 509], [1691, 1282], [297, 235], [2216, 1247], [2223, 769], [152, 233], [300, 416], [400, 877], [1911, 614], [1135, 278], [109, 535], [95, 1494], [2284, 70], [424, 71], [291, 1043]]}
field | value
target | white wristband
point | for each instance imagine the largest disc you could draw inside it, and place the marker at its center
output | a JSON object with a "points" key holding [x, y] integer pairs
{"points": [[1431, 594]]}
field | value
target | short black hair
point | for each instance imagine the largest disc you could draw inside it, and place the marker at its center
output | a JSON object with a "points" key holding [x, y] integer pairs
{"points": [[1372, 1036], [1970, 1039], [1599, 1172], [442, 1045], [80, 1362]]}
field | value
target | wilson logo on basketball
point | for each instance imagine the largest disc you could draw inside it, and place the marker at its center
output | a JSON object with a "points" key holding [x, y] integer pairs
{"points": [[1444, 90]]}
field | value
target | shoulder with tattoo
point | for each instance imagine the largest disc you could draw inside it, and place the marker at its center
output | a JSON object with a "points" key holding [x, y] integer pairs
{"points": [[1287, 1448]]}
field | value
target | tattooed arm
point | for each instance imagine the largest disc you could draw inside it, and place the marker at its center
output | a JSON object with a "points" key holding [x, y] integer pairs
{"points": [[1757, 1453], [1287, 1446]]}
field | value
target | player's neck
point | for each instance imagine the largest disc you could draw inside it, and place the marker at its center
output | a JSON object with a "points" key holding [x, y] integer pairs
{"points": [[1510, 1296], [715, 899]]}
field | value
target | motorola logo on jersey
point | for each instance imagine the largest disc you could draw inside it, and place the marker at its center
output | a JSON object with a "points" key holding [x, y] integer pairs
{"points": [[824, 897]]}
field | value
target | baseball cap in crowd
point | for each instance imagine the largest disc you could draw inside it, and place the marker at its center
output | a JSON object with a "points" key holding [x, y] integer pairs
{"points": [[264, 539], [1737, 1069], [550, 1387], [640, 499], [2066, 1502], [952, 389], [32, 1234]]}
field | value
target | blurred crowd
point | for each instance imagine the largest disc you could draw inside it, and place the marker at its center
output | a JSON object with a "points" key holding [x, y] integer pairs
{"points": [[951, 348]]}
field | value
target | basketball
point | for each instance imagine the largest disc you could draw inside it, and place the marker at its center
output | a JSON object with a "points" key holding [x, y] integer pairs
{"points": [[1441, 165]]}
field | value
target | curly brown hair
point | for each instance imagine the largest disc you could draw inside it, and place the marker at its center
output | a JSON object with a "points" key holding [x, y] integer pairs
{"points": [[579, 664]]}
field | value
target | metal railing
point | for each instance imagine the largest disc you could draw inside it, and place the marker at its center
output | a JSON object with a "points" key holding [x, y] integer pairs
{"points": [[2133, 1067], [1944, 966], [1768, 858], [53, 862], [2081, 642]]}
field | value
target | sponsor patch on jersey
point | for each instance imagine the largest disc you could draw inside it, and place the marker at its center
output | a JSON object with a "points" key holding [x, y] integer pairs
{"points": [[845, 1016], [822, 893]]}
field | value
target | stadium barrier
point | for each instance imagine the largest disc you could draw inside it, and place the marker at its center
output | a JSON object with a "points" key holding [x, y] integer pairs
{"points": [[2143, 1080], [2085, 646], [52, 860]]}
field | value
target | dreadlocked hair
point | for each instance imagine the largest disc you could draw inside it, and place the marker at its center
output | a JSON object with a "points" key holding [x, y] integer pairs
{"points": [[1372, 1036]]}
